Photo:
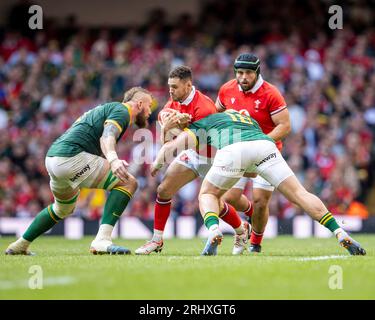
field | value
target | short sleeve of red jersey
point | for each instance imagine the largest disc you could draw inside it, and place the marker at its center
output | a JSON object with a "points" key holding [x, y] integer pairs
{"points": [[204, 108], [276, 101], [221, 98]]}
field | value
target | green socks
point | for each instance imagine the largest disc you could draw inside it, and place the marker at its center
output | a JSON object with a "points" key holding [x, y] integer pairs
{"points": [[210, 219], [44, 221], [329, 222], [115, 205]]}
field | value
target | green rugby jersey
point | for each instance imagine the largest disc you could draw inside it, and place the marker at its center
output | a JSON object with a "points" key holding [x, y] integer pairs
{"points": [[225, 128], [85, 132]]}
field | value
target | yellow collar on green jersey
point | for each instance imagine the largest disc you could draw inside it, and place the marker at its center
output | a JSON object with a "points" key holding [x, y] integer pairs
{"points": [[129, 110]]}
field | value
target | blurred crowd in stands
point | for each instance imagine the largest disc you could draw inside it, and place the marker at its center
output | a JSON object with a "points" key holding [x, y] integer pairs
{"points": [[49, 77]]}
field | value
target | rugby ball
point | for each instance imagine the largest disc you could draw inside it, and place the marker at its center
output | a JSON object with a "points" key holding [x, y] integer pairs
{"points": [[173, 132], [163, 114]]}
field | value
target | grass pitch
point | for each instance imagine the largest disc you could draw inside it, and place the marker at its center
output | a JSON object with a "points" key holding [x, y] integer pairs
{"points": [[288, 269]]}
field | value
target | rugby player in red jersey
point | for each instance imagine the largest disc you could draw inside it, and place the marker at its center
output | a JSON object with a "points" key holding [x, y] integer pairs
{"points": [[188, 165], [249, 94]]}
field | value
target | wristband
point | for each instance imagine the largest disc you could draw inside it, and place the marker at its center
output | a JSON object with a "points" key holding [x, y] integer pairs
{"points": [[112, 156]]}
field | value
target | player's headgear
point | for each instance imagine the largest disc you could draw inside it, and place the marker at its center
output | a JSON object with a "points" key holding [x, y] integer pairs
{"points": [[247, 61]]}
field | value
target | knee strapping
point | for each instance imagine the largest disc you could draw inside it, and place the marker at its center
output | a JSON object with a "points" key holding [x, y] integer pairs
{"points": [[64, 208]]}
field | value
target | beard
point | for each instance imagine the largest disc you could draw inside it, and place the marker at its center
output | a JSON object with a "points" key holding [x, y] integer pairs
{"points": [[176, 99], [247, 86], [141, 121]]}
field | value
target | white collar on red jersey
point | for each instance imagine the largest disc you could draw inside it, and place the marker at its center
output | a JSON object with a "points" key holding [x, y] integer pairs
{"points": [[190, 97], [256, 86]]}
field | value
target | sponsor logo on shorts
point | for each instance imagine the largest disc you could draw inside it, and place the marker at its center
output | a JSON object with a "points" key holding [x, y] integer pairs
{"points": [[231, 170], [79, 174], [271, 156]]}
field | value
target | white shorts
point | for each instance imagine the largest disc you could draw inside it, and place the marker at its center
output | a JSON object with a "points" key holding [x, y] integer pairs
{"points": [[259, 156], [192, 160], [79, 171], [258, 183]]}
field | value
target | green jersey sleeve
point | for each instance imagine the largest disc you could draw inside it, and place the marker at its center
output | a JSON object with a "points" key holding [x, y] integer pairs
{"points": [[119, 115]]}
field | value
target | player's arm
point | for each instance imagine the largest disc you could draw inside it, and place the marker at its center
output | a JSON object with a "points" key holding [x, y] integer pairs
{"points": [[219, 106], [110, 134], [282, 122], [185, 140]]}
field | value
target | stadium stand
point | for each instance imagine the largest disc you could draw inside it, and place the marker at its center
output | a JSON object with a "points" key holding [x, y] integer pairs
{"points": [[49, 77]]}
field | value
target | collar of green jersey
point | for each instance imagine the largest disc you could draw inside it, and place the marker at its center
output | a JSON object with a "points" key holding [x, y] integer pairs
{"points": [[129, 110]]}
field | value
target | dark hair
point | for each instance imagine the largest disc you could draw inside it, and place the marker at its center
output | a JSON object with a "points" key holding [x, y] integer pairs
{"points": [[181, 72]]}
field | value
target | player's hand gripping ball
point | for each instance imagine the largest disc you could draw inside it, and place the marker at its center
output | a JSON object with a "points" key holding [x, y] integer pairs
{"points": [[172, 122]]}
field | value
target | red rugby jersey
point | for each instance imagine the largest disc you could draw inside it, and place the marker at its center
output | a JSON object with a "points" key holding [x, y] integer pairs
{"points": [[198, 106], [261, 102]]}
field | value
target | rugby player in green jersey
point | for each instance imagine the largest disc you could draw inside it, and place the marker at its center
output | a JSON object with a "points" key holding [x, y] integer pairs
{"points": [[242, 150], [85, 157]]}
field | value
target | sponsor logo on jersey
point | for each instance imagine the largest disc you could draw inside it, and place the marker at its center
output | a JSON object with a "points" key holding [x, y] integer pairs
{"points": [[81, 173], [244, 112], [232, 100], [271, 156]]}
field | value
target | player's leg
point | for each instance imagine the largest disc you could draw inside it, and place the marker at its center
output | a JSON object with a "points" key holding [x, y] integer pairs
{"points": [[228, 213], [240, 202], [178, 174], [262, 192], [220, 178], [209, 206], [176, 177], [293, 190], [241, 228], [120, 194], [282, 177], [237, 199], [46, 219], [187, 166], [65, 199], [201, 165]]}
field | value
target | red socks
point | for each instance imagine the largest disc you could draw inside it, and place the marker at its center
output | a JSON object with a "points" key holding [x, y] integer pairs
{"points": [[249, 211], [256, 238], [162, 211], [230, 216]]}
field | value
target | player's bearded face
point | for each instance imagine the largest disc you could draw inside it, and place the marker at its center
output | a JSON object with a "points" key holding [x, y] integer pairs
{"points": [[141, 119], [246, 78]]}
